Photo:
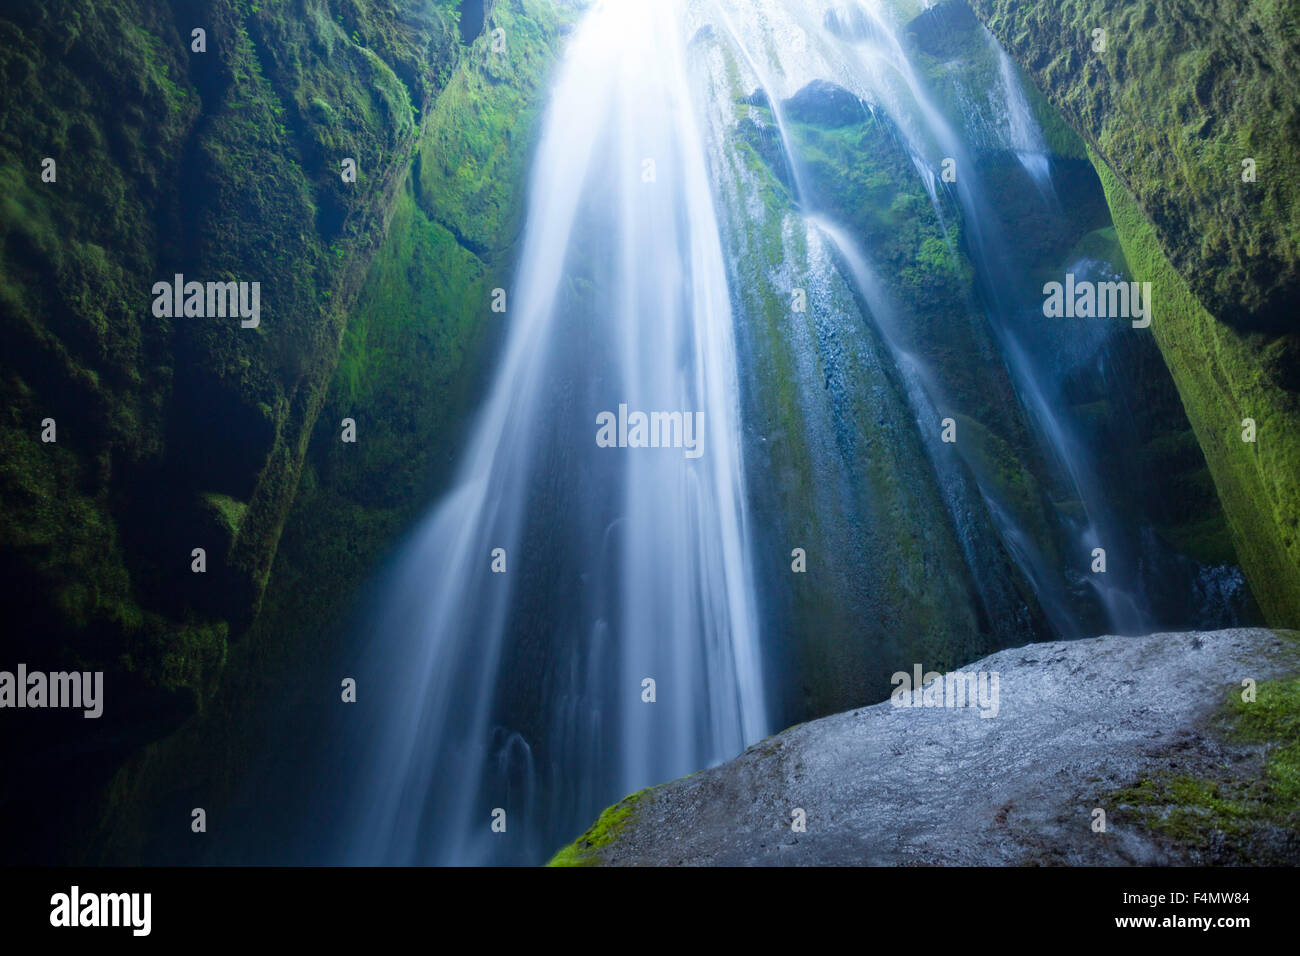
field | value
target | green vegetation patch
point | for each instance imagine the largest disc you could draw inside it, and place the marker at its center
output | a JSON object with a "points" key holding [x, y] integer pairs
{"points": [[1225, 812], [585, 851], [1274, 717]]}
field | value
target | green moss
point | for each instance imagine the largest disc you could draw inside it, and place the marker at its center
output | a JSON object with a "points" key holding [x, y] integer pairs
{"points": [[1004, 476], [840, 459], [863, 174], [415, 343], [964, 74], [229, 511], [1274, 718], [472, 153], [1102, 245], [1176, 101], [1201, 813], [585, 851], [1188, 809], [192, 656], [1057, 134], [1221, 376], [223, 165], [1207, 541], [65, 539]]}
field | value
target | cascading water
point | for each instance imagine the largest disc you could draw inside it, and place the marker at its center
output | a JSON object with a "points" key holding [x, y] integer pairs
{"points": [[558, 566], [859, 47], [580, 616], [1023, 134], [856, 46]]}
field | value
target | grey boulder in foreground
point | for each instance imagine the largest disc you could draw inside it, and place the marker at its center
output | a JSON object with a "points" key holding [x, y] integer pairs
{"points": [[886, 785]]}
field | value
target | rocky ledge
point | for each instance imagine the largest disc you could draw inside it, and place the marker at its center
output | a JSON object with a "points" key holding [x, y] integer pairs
{"points": [[1152, 731]]}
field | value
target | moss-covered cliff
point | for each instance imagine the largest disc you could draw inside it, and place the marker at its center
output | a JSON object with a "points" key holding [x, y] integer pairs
{"points": [[415, 349], [912, 545], [1178, 94], [216, 156], [220, 156], [1181, 95]]}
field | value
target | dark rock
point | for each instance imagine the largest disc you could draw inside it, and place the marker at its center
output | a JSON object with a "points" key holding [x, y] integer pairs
{"points": [[825, 104], [940, 31], [848, 22]]}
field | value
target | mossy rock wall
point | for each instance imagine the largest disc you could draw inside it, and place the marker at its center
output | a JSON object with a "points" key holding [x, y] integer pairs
{"points": [[835, 465], [416, 350], [177, 433], [1183, 93], [193, 432], [1217, 370]]}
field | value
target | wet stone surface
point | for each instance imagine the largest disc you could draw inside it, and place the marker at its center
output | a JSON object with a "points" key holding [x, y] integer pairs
{"points": [[891, 785]]}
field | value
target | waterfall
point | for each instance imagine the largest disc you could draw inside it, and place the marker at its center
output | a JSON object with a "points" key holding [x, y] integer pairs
{"points": [[614, 566], [857, 45], [1023, 134], [581, 615]]}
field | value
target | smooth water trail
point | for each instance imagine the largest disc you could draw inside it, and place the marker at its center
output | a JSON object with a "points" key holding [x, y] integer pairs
{"points": [[857, 47], [525, 687], [860, 46], [926, 129], [769, 91], [1023, 134]]}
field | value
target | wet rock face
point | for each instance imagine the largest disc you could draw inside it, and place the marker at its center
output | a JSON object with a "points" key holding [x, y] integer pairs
{"points": [[471, 20], [825, 104], [848, 22], [178, 430], [938, 30], [887, 785]]}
